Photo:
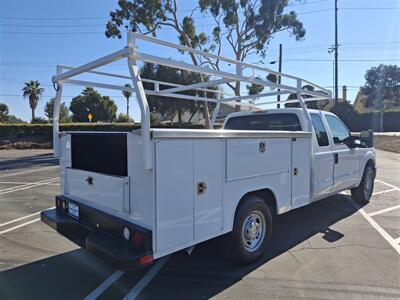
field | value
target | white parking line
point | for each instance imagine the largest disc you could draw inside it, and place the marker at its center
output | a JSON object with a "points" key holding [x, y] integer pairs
{"points": [[376, 226], [23, 218], [382, 211], [19, 226], [104, 285], [28, 186], [383, 192], [28, 171], [388, 184], [397, 240], [138, 288]]}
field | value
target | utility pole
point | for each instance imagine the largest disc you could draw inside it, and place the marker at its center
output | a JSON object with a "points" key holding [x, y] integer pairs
{"points": [[278, 105], [336, 54]]}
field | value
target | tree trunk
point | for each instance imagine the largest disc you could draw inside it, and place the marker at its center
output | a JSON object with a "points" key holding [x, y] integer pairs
{"points": [[381, 120], [33, 114], [206, 112], [127, 106], [180, 116]]}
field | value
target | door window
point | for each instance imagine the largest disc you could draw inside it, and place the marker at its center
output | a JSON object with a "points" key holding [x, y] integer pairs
{"points": [[320, 130], [338, 130]]}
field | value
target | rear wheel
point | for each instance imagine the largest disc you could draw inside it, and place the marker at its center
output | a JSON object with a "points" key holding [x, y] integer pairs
{"points": [[363, 192], [251, 234]]}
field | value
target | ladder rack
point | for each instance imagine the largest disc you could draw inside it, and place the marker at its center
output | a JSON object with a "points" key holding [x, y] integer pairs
{"points": [[216, 78]]}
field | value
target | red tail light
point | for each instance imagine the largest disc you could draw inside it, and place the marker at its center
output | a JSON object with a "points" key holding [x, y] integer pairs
{"points": [[137, 239]]}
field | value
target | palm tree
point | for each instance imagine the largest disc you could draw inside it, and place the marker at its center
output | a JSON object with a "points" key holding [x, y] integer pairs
{"points": [[33, 91], [127, 93]]}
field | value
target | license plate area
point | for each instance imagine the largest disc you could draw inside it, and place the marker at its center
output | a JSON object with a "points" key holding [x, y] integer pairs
{"points": [[73, 210]]}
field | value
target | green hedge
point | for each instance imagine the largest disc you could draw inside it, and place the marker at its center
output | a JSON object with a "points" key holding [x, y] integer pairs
{"points": [[21, 130]]}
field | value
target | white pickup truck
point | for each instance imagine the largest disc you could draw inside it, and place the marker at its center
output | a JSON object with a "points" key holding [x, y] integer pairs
{"points": [[132, 197]]}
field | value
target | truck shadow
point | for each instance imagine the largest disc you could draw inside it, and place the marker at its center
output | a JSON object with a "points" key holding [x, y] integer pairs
{"points": [[205, 273]]}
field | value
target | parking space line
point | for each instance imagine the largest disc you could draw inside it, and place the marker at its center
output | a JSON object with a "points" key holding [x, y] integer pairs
{"points": [[104, 285], [28, 171], [388, 184], [381, 231], [382, 211], [19, 226], [383, 192], [393, 242], [397, 240], [28, 186], [23, 218], [138, 288]]}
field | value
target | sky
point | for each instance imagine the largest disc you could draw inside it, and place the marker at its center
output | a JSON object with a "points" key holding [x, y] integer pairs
{"points": [[37, 35]]}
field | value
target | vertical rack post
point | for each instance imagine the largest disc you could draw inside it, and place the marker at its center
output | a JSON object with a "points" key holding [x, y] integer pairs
{"points": [[56, 116], [303, 105], [142, 100]]}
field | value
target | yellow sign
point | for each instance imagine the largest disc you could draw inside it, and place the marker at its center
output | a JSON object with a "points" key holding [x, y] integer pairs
{"points": [[90, 117]]}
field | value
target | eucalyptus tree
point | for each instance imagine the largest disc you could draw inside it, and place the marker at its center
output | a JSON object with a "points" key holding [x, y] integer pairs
{"points": [[243, 26]]}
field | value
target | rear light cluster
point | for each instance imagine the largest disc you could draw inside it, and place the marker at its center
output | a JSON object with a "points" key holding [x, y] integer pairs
{"points": [[135, 238]]}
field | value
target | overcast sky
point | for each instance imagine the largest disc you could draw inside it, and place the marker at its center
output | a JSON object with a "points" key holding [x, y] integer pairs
{"points": [[37, 35]]}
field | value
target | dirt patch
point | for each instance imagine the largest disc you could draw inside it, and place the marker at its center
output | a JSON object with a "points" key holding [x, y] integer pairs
{"points": [[387, 143], [23, 143]]}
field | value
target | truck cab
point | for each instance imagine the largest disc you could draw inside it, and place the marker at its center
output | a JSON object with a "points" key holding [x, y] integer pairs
{"points": [[337, 157]]}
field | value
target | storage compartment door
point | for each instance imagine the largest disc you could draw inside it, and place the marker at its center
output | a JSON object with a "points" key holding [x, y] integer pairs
{"points": [[174, 193], [98, 190], [208, 187], [301, 172]]}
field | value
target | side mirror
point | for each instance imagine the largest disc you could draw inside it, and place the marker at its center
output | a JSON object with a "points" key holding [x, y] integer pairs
{"points": [[367, 138], [351, 142]]}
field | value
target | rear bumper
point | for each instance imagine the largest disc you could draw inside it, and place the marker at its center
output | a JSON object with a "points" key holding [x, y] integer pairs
{"points": [[101, 234]]}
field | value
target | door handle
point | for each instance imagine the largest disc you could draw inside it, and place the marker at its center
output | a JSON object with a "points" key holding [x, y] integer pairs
{"points": [[336, 155], [201, 188]]}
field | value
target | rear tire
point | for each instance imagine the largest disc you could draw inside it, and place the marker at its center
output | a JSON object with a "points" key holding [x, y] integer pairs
{"points": [[251, 234], [363, 192]]}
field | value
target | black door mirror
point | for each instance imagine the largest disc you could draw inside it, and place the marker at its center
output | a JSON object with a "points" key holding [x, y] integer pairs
{"points": [[367, 138], [352, 142]]}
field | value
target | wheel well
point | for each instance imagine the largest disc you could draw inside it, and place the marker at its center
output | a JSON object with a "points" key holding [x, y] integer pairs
{"points": [[371, 163], [266, 194]]}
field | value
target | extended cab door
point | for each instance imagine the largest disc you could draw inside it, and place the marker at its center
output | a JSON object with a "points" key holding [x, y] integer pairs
{"points": [[346, 160], [324, 160]]}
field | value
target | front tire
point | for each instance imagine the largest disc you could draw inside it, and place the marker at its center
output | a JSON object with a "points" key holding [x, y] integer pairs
{"points": [[363, 193], [251, 234]]}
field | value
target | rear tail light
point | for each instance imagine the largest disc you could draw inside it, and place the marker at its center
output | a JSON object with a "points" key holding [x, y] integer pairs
{"points": [[137, 239]]}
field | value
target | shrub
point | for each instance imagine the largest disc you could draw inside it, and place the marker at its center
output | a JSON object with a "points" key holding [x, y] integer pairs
{"points": [[21, 130], [39, 120]]}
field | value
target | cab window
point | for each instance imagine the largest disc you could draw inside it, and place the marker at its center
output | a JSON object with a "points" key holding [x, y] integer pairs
{"points": [[338, 130], [281, 121], [320, 131]]}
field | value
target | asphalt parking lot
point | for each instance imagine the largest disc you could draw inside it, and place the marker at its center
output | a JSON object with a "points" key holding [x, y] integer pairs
{"points": [[332, 249]]}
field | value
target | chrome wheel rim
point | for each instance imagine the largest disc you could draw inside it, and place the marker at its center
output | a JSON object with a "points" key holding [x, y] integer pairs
{"points": [[253, 231], [368, 183]]}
